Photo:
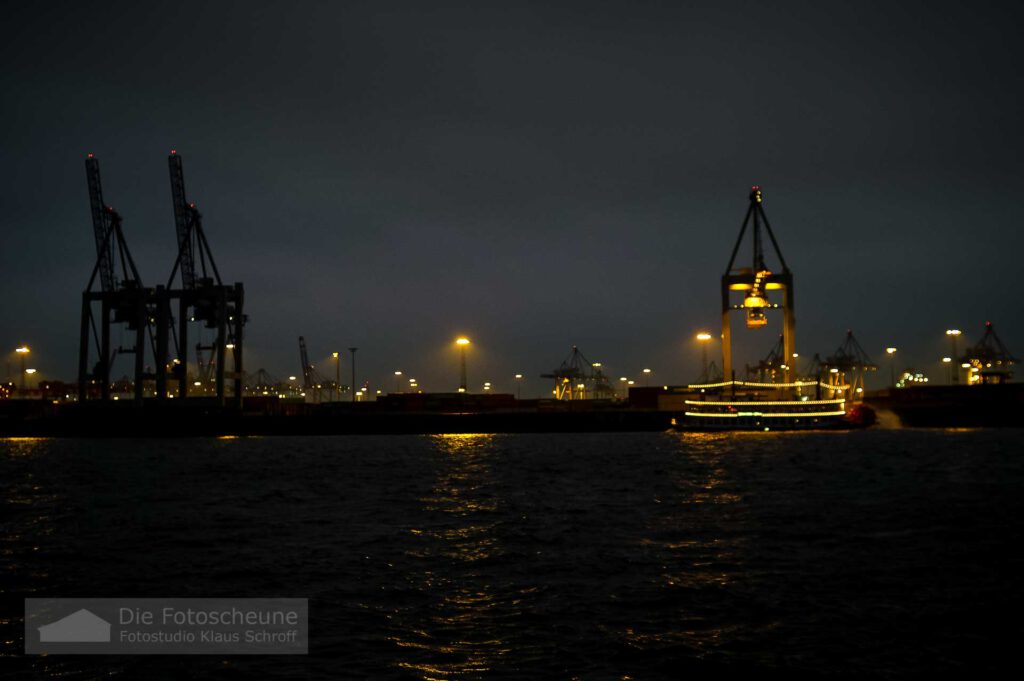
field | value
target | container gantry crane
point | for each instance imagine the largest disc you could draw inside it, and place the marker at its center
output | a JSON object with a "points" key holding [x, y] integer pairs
{"points": [[755, 282], [122, 299], [576, 375], [989, 361], [848, 366], [202, 297]]}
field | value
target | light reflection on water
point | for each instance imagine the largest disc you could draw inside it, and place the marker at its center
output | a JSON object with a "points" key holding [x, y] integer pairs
{"points": [[458, 640], [22, 446], [698, 554]]}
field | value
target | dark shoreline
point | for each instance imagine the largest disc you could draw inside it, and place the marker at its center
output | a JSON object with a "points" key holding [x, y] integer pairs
{"points": [[204, 420], [996, 406]]}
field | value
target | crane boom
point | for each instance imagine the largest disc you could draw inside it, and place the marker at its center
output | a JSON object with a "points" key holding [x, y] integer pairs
{"points": [[101, 224], [182, 216], [307, 370]]}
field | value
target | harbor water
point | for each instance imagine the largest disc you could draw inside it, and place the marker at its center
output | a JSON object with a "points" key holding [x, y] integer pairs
{"points": [[877, 553]]}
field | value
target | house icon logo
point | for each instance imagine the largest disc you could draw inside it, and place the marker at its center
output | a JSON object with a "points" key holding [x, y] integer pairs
{"points": [[79, 627]]}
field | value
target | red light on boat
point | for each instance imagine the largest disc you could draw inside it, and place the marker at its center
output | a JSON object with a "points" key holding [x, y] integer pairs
{"points": [[88, 156], [173, 152]]}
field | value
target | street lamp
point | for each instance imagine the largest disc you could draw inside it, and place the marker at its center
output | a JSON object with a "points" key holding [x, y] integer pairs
{"points": [[703, 337], [519, 386], [892, 365], [953, 335], [398, 378], [22, 351], [949, 361], [647, 374], [353, 351], [337, 375], [462, 342]]}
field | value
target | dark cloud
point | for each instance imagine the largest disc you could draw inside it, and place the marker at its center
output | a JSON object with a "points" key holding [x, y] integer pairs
{"points": [[387, 175]]}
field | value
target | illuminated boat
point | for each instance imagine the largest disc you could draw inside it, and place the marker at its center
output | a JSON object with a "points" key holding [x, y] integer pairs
{"points": [[745, 405]]}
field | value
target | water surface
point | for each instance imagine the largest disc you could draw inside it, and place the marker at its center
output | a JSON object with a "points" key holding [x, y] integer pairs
{"points": [[880, 553]]}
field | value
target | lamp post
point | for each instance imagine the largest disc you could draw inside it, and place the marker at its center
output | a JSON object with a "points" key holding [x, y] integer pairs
{"points": [[892, 365], [703, 337], [519, 386], [337, 376], [462, 342], [353, 351], [647, 374], [398, 379], [949, 361], [22, 352], [953, 335]]}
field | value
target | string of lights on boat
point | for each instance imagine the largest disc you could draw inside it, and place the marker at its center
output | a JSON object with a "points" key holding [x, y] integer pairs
{"points": [[750, 384]]}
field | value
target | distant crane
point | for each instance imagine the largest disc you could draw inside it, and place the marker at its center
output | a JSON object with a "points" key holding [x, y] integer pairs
{"points": [[989, 361], [313, 383], [576, 376], [769, 369], [263, 383], [206, 358], [849, 364]]}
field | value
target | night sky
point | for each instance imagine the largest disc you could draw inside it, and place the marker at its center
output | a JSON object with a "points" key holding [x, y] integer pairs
{"points": [[534, 175]]}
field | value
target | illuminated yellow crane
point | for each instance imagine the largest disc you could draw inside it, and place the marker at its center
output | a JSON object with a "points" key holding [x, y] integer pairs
{"points": [[755, 283]]}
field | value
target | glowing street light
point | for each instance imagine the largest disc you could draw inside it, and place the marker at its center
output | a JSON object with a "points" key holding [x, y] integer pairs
{"points": [[647, 374], [892, 365], [398, 381], [462, 342], [519, 386], [953, 335], [703, 337], [22, 352], [336, 356]]}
